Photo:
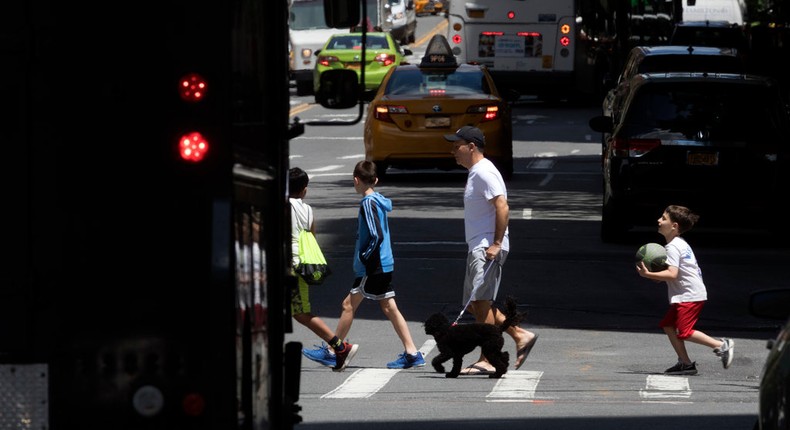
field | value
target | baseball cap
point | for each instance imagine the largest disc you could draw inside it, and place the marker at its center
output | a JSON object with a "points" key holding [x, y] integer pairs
{"points": [[469, 134]]}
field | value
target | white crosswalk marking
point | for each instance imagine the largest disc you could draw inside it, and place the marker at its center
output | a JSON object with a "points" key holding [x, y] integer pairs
{"points": [[362, 384], [515, 386], [366, 382], [660, 387]]}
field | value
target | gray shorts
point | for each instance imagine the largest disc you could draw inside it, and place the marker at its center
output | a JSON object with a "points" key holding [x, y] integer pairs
{"points": [[483, 274]]}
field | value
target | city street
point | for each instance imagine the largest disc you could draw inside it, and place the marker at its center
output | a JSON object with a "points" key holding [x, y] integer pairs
{"points": [[600, 358]]}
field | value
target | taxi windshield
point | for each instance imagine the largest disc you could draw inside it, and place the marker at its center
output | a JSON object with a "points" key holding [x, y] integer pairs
{"points": [[432, 81]]}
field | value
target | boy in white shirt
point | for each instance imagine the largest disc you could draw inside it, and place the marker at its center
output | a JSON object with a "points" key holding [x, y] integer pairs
{"points": [[686, 290]]}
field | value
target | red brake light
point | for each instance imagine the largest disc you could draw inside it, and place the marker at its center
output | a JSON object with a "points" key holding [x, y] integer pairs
{"points": [[634, 147], [457, 39], [490, 112], [383, 112], [327, 60], [192, 87], [385, 59], [511, 15], [193, 147], [193, 404]]}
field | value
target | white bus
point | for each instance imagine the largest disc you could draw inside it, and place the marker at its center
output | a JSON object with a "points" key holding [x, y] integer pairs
{"points": [[549, 48]]}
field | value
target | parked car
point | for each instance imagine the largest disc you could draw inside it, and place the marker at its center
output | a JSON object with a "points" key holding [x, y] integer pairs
{"points": [[344, 51], [717, 143], [774, 394], [417, 105], [651, 59]]}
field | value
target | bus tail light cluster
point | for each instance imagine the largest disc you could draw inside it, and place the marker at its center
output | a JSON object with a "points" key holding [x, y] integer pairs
{"points": [[384, 112], [192, 145]]}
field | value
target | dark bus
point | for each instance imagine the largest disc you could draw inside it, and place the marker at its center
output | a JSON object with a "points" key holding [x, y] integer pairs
{"points": [[148, 239]]}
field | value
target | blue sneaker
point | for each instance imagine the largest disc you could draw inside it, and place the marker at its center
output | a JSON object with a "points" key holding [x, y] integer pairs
{"points": [[406, 361], [321, 355]]}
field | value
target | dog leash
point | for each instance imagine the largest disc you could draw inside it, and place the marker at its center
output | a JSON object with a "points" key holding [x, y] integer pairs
{"points": [[472, 294]]}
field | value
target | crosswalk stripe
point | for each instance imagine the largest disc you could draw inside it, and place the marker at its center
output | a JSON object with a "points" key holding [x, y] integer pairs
{"points": [[515, 386], [362, 384], [661, 387], [366, 382]]}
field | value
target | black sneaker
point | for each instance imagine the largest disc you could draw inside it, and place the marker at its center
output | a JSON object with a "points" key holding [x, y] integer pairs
{"points": [[682, 369], [343, 357]]}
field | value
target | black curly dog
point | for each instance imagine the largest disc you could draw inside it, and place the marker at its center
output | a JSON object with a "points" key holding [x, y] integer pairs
{"points": [[456, 341]]}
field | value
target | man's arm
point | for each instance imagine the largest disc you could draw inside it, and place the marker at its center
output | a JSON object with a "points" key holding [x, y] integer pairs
{"points": [[502, 218]]}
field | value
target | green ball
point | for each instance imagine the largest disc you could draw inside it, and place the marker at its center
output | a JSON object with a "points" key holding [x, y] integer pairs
{"points": [[654, 255]]}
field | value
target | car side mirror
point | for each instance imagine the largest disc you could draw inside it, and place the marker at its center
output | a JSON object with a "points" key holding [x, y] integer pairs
{"points": [[317, 51], [602, 124], [407, 51], [338, 89]]}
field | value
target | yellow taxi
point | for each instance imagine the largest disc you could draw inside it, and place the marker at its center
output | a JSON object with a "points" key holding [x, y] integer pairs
{"points": [[428, 7], [416, 105]]}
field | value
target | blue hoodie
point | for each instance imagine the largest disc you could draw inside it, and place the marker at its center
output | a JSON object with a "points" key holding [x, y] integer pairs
{"points": [[373, 250]]}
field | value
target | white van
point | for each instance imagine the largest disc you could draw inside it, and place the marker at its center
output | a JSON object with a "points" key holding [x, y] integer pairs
{"points": [[732, 11], [307, 32]]}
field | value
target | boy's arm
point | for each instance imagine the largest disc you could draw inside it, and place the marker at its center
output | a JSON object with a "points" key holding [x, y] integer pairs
{"points": [[372, 224], [668, 274]]}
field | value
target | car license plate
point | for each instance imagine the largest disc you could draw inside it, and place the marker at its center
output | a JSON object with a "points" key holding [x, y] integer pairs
{"points": [[353, 66], [702, 158], [437, 121]]}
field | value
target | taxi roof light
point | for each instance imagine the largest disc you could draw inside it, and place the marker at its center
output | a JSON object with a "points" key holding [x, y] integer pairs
{"points": [[438, 53]]}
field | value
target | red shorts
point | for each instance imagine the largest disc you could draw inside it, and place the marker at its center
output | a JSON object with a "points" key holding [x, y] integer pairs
{"points": [[683, 317]]}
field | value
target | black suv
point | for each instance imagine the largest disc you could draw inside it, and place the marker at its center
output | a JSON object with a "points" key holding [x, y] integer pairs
{"points": [[717, 143]]}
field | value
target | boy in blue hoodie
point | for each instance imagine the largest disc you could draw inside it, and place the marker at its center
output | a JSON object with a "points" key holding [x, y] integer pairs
{"points": [[373, 266]]}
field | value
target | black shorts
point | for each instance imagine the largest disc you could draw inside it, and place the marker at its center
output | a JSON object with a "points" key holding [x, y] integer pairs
{"points": [[374, 287]]}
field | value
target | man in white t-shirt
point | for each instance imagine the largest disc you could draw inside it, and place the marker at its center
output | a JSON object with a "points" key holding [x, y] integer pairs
{"points": [[486, 215]]}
